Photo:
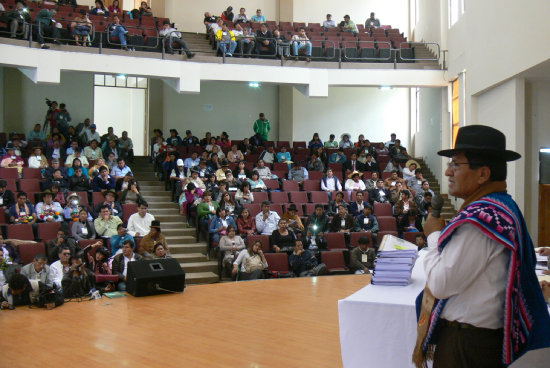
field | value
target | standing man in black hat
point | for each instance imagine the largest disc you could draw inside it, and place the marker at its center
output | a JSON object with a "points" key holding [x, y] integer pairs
{"points": [[482, 305]]}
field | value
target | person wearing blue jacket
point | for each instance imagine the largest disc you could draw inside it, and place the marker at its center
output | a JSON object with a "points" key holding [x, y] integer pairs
{"points": [[219, 224]]}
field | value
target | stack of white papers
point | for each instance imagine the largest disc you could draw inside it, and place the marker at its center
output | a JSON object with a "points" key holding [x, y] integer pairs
{"points": [[394, 267]]}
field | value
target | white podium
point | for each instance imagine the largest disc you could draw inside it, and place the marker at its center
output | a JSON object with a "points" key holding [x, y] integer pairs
{"points": [[378, 323]]}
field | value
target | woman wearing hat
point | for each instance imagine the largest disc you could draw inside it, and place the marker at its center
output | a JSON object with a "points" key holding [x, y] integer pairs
{"points": [[11, 160], [48, 210], [292, 218], [482, 305], [409, 170], [111, 202], [220, 173], [345, 142], [155, 236], [37, 160], [354, 182]]}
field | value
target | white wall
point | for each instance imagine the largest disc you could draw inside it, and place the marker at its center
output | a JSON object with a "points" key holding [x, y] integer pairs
{"points": [[483, 43], [503, 108], [369, 111], [432, 22], [394, 13], [537, 115], [26, 99], [124, 110], [428, 140], [234, 108], [188, 15]]}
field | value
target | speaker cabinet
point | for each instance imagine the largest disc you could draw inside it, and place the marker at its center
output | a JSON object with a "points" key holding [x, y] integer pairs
{"points": [[156, 276]]}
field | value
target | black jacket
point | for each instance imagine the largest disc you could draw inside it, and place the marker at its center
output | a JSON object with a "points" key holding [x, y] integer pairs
{"points": [[8, 199], [79, 184]]}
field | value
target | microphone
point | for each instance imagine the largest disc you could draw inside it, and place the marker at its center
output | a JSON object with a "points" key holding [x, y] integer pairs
{"points": [[437, 205]]}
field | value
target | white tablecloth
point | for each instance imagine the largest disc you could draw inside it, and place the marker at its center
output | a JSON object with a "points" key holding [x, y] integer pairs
{"points": [[378, 323]]}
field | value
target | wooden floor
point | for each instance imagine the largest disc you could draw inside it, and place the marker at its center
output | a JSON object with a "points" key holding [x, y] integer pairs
{"points": [[266, 323]]}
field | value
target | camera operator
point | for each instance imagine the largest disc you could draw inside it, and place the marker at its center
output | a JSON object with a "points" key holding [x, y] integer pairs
{"points": [[50, 115], [21, 291], [62, 119], [79, 280]]}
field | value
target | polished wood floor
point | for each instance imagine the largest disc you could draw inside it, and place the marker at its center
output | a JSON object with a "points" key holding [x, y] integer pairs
{"points": [[267, 323]]}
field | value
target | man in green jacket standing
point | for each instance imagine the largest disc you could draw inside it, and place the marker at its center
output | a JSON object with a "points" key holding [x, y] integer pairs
{"points": [[262, 126]]}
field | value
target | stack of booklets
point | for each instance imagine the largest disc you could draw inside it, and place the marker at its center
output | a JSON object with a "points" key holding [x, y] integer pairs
{"points": [[394, 263]]}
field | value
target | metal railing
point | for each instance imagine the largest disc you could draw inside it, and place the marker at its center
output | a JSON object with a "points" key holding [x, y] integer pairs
{"points": [[394, 54], [428, 45], [68, 28], [374, 47], [20, 25], [171, 38], [129, 36]]}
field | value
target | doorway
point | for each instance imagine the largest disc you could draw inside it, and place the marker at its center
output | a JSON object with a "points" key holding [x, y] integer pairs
{"points": [[121, 104]]}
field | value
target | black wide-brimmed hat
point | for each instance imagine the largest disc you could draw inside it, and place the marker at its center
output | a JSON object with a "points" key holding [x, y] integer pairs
{"points": [[481, 139]]}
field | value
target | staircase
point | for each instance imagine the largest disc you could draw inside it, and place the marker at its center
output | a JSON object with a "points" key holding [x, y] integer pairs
{"points": [[448, 211], [181, 240]]}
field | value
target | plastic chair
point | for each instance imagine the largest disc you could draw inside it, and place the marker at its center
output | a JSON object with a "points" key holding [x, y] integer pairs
{"points": [[387, 223], [334, 260], [27, 251], [319, 197], [20, 232], [259, 197], [299, 197], [291, 186], [48, 230], [336, 241], [354, 238], [264, 239], [382, 209], [277, 264], [279, 197], [253, 208], [129, 209], [8, 173], [29, 173]]}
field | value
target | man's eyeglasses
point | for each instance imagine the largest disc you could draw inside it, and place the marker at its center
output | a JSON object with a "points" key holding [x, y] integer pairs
{"points": [[454, 165]]}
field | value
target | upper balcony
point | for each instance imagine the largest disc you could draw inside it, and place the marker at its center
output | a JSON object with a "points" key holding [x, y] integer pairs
{"points": [[377, 57]]}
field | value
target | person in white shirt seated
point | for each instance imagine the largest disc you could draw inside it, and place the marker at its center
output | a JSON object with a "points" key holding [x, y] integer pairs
{"points": [[139, 224], [120, 263], [267, 221], [61, 266], [329, 22], [330, 183], [354, 182], [38, 160]]}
